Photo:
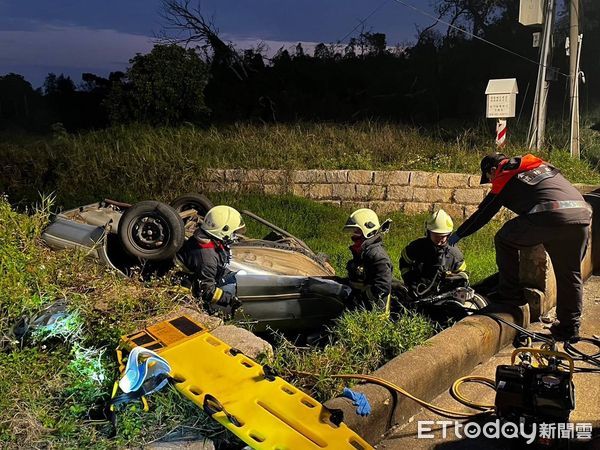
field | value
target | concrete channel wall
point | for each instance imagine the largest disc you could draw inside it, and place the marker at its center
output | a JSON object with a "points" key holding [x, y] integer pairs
{"points": [[411, 192], [431, 368]]}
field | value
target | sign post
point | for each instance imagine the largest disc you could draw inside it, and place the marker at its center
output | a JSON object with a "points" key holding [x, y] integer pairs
{"points": [[501, 101]]}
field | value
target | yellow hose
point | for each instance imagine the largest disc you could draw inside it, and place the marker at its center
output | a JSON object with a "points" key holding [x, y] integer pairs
{"points": [[455, 391]]}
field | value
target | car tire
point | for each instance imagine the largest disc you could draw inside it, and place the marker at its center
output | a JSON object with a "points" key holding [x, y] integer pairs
{"points": [[192, 200], [151, 230]]}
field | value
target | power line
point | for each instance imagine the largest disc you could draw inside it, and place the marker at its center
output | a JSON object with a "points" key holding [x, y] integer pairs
{"points": [[361, 22], [474, 36]]}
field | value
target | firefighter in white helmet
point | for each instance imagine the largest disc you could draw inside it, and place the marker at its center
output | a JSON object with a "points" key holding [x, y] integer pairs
{"points": [[206, 256], [429, 265], [370, 269]]}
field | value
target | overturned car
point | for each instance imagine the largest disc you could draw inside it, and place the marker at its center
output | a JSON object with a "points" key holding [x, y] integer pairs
{"points": [[281, 282]]}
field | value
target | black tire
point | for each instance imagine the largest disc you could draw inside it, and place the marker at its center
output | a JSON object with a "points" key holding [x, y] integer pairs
{"points": [[192, 201], [151, 230], [477, 302]]}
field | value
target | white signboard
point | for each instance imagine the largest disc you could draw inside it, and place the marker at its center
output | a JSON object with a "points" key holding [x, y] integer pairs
{"points": [[500, 106], [501, 98]]}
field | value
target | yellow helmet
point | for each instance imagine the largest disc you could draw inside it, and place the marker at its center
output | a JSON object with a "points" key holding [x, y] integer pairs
{"points": [[440, 222], [222, 221], [365, 220]]}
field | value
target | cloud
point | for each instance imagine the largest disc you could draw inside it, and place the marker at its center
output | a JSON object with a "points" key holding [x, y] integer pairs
{"points": [[270, 46], [69, 47]]}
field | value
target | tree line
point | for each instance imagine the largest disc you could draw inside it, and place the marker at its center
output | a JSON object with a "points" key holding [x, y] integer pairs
{"points": [[440, 77]]}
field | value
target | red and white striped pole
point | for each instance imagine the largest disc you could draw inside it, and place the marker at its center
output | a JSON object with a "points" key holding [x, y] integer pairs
{"points": [[500, 132]]}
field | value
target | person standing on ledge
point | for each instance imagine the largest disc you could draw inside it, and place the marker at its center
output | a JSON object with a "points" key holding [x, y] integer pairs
{"points": [[550, 211]]}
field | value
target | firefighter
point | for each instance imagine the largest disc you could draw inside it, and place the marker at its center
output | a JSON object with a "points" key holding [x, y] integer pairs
{"points": [[550, 211], [206, 256], [370, 269], [429, 265]]}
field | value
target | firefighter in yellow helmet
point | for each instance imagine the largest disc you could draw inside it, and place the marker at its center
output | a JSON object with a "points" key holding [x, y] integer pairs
{"points": [[429, 265], [206, 256], [370, 269]]}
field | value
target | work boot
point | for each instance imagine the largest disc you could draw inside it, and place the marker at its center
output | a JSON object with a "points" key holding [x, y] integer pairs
{"points": [[564, 333]]}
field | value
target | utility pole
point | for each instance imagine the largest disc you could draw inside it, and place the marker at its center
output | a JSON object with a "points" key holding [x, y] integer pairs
{"points": [[574, 53], [543, 86]]}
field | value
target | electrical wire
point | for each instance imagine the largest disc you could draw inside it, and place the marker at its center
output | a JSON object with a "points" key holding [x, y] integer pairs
{"points": [[474, 36], [361, 22], [531, 334]]}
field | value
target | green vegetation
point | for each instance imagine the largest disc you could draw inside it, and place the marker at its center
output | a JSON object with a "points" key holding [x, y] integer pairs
{"points": [[360, 342], [139, 162], [46, 389]]}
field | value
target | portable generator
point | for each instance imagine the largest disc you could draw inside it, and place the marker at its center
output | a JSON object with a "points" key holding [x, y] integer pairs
{"points": [[537, 389]]}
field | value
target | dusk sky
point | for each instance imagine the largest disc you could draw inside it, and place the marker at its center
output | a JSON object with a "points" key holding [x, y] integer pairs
{"points": [[75, 36]]}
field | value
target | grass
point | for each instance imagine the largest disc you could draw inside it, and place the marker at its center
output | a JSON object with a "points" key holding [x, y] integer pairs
{"points": [[133, 162], [47, 388]]}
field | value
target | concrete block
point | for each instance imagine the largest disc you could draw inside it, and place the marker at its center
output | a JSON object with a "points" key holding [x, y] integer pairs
{"points": [[300, 190], [392, 177], [469, 209], [336, 176], [343, 191], [243, 340], [354, 204], [309, 176], [252, 187], [433, 195], [417, 208], [360, 176], [276, 189], [232, 186], [538, 304], [468, 196], [313, 191], [213, 175], [455, 211], [274, 176], [474, 180], [386, 207], [403, 193], [320, 191], [370, 192], [586, 188], [335, 203], [234, 175], [453, 180], [424, 179]]}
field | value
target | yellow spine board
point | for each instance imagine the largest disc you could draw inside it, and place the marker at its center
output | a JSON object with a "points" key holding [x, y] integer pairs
{"points": [[264, 412]]}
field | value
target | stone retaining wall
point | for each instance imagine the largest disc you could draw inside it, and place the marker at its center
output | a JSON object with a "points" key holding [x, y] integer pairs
{"points": [[411, 192]]}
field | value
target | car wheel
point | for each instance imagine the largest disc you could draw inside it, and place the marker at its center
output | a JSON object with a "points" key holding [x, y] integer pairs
{"points": [[151, 230], [192, 201], [477, 302]]}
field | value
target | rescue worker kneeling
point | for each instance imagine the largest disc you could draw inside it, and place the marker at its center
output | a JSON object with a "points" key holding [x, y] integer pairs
{"points": [[429, 265], [370, 269], [206, 255]]}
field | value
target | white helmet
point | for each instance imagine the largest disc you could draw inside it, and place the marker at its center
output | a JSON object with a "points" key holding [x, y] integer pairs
{"points": [[365, 220], [440, 222], [222, 221]]}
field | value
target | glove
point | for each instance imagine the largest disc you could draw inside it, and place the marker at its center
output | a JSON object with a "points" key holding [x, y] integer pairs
{"points": [[363, 408], [229, 300], [234, 304], [453, 240]]}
